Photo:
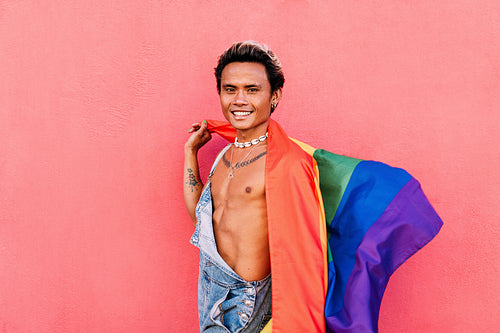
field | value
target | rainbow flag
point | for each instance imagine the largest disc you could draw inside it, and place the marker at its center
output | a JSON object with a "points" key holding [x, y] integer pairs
{"points": [[338, 228]]}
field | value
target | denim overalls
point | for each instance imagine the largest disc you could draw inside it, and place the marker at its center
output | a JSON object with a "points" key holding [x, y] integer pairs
{"points": [[226, 302]]}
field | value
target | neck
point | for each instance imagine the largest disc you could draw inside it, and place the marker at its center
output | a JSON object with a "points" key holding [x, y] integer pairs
{"points": [[252, 133]]}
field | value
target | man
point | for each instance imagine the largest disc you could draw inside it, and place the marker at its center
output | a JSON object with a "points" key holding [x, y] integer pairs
{"points": [[233, 202], [332, 229]]}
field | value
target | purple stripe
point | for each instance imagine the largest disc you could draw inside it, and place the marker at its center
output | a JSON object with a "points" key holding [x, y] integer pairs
{"points": [[408, 223]]}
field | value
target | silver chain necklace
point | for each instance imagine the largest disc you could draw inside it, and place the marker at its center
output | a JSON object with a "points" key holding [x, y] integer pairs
{"points": [[231, 167]]}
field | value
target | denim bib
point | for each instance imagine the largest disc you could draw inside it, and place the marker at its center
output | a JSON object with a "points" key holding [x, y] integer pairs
{"points": [[226, 302]]}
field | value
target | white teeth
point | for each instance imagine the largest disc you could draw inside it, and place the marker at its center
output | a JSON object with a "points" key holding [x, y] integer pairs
{"points": [[240, 113]]}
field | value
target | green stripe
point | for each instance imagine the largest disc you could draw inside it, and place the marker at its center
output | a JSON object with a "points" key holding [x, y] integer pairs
{"points": [[334, 173]]}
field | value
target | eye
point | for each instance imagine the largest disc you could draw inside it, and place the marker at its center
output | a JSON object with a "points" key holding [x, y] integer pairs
{"points": [[229, 90], [252, 90]]}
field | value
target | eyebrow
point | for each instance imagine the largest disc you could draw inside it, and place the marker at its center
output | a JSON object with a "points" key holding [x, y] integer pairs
{"points": [[253, 85]]}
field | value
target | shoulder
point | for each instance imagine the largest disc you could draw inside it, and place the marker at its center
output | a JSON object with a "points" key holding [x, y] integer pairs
{"points": [[219, 157], [286, 158], [293, 153], [282, 148]]}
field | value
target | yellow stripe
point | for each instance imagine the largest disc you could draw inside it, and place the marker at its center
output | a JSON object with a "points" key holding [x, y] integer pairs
{"points": [[308, 149], [322, 224], [269, 327]]}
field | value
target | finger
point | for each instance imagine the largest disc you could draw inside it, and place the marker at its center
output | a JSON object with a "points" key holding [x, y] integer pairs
{"points": [[194, 127], [202, 127], [208, 135]]}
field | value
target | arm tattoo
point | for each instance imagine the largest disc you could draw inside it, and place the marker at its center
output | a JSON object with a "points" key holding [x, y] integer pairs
{"points": [[192, 181]]}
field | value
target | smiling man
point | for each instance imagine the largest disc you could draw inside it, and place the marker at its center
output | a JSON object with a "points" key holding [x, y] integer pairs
{"points": [[331, 228], [230, 210]]}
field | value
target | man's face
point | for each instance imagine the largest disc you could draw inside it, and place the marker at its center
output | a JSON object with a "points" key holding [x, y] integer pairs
{"points": [[246, 97]]}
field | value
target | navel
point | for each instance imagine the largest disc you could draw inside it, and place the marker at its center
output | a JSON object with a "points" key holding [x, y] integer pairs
{"points": [[248, 189]]}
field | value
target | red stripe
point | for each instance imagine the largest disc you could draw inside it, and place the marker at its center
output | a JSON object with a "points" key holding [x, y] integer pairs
{"points": [[297, 255], [297, 263]]}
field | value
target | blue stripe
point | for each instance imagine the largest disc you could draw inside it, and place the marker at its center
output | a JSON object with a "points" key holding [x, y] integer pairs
{"points": [[370, 190]]}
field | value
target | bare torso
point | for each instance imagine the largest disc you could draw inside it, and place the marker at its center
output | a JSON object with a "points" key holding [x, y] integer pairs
{"points": [[240, 215]]}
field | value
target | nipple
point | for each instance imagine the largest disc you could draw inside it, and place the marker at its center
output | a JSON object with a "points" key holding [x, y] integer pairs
{"points": [[248, 189]]}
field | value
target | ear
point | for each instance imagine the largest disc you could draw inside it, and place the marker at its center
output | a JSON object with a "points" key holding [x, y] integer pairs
{"points": [[276, 96]]}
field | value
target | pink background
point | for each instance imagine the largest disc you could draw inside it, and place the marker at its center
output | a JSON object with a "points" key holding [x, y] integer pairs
{"points": [[95, 101]]}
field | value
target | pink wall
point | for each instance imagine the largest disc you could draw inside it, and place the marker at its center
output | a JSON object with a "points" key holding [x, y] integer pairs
{"points": [[95, 101]]}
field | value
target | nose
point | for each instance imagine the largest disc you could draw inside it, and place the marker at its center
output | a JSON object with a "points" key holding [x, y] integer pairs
{"points": [[240, 98]]}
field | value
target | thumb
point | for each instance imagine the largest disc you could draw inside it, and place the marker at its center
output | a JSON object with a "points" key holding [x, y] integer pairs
{"points": [[204, 125]]}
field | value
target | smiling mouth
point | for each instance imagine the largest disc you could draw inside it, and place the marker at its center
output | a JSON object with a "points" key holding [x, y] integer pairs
{"points": [[241, 113]]}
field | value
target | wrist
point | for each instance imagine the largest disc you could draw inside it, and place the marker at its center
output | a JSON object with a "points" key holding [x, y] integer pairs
{"points": [[188, 150]]}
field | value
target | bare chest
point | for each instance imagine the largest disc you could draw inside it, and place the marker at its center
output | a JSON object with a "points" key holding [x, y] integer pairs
{"points": [[239, 178]]}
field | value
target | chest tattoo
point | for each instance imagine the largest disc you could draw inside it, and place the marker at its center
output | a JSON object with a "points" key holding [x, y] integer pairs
{"points": [[242, 163]]}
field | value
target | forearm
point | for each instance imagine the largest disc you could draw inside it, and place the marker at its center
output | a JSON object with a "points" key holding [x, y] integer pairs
{"points": [[192, 182]]}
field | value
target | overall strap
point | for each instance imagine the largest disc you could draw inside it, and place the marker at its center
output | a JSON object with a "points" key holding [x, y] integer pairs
{"points": [[223, 151]]}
